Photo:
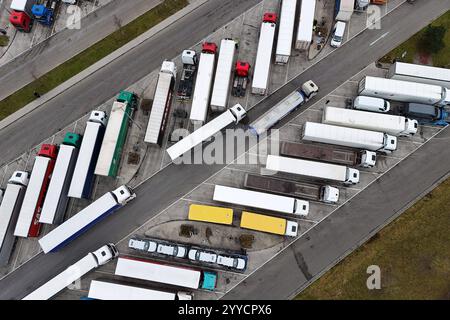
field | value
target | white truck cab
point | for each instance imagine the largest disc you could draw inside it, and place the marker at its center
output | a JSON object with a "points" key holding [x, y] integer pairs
{"points": [[329, 194], [310, 89], [352, 176], [189, 57], [98, 117], [238, 112], [124, 195], [390, 144], [20, 177], [368, 159], [411, 127], [291, 228], [106, 254], [170, 68]]}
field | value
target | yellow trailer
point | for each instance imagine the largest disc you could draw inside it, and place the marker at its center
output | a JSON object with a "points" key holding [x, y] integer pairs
{"points": [[211, 214], [269, 224]]}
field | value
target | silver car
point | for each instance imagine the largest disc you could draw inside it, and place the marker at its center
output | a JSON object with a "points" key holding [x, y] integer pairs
{"points": [[231, 262], [202, 256], [172, 250], [142, 245]]}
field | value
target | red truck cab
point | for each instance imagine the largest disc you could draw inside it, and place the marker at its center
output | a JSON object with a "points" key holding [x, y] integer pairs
{"points": [[21, 21]]}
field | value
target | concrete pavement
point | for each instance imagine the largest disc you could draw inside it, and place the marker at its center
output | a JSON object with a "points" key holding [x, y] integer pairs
{"points": [[174, 181]]}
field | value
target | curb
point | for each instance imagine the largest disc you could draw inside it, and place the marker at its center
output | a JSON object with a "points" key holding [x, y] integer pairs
{"points": [[100, 64]]}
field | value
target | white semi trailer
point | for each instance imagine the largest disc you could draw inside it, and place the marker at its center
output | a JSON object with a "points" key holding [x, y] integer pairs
{"points": [[264, 55], [101, 290], [162, 100], [261, 200], [313, 169], [233, 115], [305, 25], [86, 219], [9, 212], [420, 73], [222, 81], [203, 84], [92, 261], [404, 91], [343, 10], [350, 137], [286, 31], [391, 124]]}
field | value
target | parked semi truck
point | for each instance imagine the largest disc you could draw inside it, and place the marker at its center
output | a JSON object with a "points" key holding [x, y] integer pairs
{"points": [[203, 84], [210, 214], [297, 98], [313, 169], [9, 212], [186, 85], [74, 272], [21, 15], [28, 223], [427, 114], [404, 91], [286, 31], [261, 200], [269, 224], [264, 54], [233, 115], [44, 11], [305, 25], [350, 137], [391, 124], [166, 274], [101, 290], [420, 73], [56, 200], [323, 193], [240, 81], [161, 103], [108, 162], [86, 219], [363, 158], [83, 174], [221, 88], [343, 10]]}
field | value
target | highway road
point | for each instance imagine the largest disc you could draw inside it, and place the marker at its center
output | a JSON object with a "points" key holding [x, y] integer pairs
{"points": [[176, 180], [121, 73]]}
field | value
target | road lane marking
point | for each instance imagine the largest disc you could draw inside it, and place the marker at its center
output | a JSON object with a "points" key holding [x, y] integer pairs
{"points": [[381, 37]]}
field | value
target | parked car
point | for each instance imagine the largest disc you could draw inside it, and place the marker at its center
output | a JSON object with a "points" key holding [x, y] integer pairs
{"points": [[338, 34], [142, 245], [232, 262], [172, 250], [202, 256]]}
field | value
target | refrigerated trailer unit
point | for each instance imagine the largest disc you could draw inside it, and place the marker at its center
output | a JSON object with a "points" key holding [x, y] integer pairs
{"points": [[203, 84], [305, 25], [9, 212], [56, 200], [261, 200], [404, 91], [420, 73], [83, 174], [115, 135], [286, 31], [86, 219], [297, 98], [363, 158], [28, 223], [391, 124], [167, 274], [269, 224], [264, 55], [313, 169], [323, 193], [101, 290], [233, 115], [74, 272], [222, 81], [161, 103], [349, 137]]}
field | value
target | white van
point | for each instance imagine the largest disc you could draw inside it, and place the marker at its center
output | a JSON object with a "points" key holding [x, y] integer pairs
{"points": [[371, 104], [338, 34]]}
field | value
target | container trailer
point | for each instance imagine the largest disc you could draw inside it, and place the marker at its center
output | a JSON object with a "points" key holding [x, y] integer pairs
{"points": [[56, 200], [420, 73], [350, 137], [203, 84], [343, 10], [233, 115], [210, 214], [313, 169], [305, 25], [28, 223], [286, 31], [264, 55], [297, 98], [74, 272], [391, 124], [161, 104], [404, 91], [269, 224], [261, 200], [83, 174], [9, 212], [309, 191], [166, 274], [86, 219], [363, 158], [115, 135]]}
